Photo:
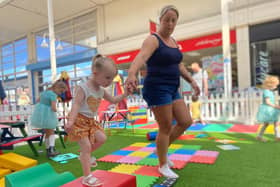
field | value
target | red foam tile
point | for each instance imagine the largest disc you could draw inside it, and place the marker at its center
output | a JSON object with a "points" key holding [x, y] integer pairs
{"points": [[148, 171], [203, 159], [131, 148], [108, 179], [187, 137], [110, 158], [151, 126], [244, 128], [178, 164]]}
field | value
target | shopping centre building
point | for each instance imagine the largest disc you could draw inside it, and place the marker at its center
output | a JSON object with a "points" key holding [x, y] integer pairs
{"points": [[117, 28]]}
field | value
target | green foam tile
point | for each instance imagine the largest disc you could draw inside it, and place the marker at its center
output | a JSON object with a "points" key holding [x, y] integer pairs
{"points": [[217, 127], [145, 181], [148, 162], [191, 147], [171, 150]]}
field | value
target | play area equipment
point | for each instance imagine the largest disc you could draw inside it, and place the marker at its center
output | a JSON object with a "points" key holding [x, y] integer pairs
{"points": [[108, 179], [12, 162], [139, 114], [151, 135], [16, 162], [42, 175], [168, 182]]}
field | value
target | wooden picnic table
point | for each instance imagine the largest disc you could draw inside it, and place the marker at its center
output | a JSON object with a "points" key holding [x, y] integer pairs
{"points": [[8, 139]]}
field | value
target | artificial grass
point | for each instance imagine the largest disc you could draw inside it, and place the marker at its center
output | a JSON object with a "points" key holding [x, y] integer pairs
{"points": [[256, 164]]}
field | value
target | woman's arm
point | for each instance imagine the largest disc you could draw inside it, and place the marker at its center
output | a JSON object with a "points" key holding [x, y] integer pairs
{"points": [[147, 49], [185, 74]]}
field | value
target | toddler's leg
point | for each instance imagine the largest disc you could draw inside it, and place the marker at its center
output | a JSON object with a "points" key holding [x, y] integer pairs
{"points": [[260, 135], [100, 139], [85, 155], [50, 143], [276, 131]]}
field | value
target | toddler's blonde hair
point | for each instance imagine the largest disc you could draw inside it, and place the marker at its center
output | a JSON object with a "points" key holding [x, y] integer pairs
{"points": [[270, 82], [99, 62]]}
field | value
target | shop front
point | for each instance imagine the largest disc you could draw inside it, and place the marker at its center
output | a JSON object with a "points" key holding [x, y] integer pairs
{"points": [[206, 50], [264, 51]]}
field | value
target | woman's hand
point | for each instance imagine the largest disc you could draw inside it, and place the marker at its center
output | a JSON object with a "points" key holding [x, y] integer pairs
{"points": [[195, 88], [131, 83]]}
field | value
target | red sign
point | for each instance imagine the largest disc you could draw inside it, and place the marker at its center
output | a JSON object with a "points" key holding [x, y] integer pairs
{"points": [[153, 27], [124, 57], [213, 40]]}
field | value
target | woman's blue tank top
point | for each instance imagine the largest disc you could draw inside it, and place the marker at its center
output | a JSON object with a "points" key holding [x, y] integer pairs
{"points": [[163, 65]]}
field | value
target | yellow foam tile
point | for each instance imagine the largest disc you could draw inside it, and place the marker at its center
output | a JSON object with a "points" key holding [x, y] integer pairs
{"points": [[16, 162], [2, 182], [140, 144], [268, 130], [139, 117], [4, 171], [140, 154], [175, 146], [125, 168]]}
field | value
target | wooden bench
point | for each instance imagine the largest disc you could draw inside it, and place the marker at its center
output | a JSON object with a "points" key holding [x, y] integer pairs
{"points": [[9, 142]]}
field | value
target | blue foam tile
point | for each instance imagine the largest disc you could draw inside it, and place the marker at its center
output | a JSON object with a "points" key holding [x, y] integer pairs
{"points": [[185, 151], [122, 152], [64, 157], [117, 125], [201, 135], [151, 145], [153, 155], [196, 127]]}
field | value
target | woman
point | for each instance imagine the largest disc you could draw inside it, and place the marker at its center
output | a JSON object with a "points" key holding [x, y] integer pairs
{"points": [[163, 58]]}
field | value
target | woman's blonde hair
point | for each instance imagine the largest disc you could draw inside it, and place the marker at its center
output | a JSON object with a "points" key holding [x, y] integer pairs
{"points": [[270, 82], [98, 62], [166, 8]]}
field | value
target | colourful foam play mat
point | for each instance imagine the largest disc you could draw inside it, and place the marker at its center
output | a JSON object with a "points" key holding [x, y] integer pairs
{"points": [[143, 154]]}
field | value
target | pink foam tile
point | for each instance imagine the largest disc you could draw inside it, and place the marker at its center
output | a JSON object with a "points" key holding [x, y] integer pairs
{"points": [[203, 159], [244, 128], [207, 153], [180, 157], [129, 159], [178, 164], [148, 171], [131, 148], [147, 149], [110, 158]]}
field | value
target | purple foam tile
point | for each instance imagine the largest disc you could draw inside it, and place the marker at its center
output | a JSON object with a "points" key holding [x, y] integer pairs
{"points": [[129, 159], [180, 157], [147, 149], [207, 153]]}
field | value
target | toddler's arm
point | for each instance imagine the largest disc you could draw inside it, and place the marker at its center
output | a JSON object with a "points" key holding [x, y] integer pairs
{"points": [[114, 99], [267, 101], [79, 99]]}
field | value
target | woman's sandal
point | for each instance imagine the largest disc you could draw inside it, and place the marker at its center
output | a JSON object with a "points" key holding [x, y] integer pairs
{"points": [[91, 181]]}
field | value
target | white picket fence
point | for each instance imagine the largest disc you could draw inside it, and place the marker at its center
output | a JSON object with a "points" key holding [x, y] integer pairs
{"points": [[241, 108]]}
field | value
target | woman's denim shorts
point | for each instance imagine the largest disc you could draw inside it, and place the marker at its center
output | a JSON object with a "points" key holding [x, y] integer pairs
{"points": [[157, 95]]}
